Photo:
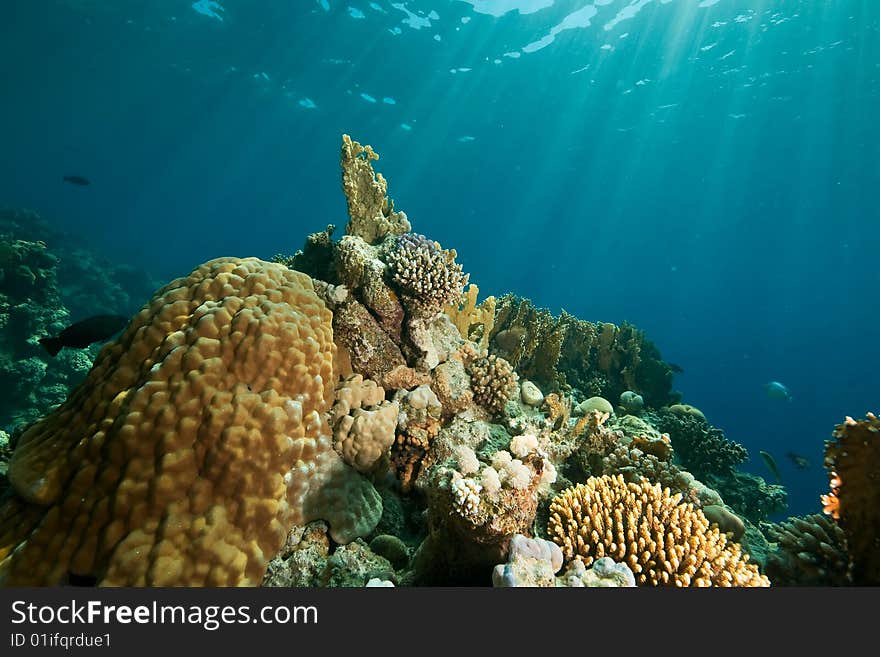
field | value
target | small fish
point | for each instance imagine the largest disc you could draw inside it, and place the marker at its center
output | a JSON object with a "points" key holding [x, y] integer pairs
{"points": [[82, 334], [771, 465], [800, 462], [77, 180], [776, 390]]}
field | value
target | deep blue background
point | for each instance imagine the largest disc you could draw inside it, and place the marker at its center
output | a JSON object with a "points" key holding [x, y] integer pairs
{"points": [[711, 177]]}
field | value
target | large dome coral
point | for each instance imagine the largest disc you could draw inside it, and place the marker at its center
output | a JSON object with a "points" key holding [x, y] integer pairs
{"points": [[198, 438]]}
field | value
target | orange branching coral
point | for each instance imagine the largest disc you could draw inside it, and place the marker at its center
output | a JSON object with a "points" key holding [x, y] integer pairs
{"points": [[196, 441], [853, 461], [645, 526]]}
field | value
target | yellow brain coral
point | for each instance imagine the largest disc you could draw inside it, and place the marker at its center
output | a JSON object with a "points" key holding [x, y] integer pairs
{"points": [[643, 525], [196, 441]]}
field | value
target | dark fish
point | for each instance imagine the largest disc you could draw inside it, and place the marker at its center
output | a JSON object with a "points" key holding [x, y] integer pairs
{"points": [[77, 180], [84, 333], [800, 462], [771, 465], [675, 368]]}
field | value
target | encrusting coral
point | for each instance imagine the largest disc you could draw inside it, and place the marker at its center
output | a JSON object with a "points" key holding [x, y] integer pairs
{"points": [[663, 541], [198, 438], [852, 458], [532, 562]]}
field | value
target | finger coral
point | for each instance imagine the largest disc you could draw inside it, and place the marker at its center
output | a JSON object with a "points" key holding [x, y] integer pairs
{"points": [[198, 438], [665, 543], [853, 461]]}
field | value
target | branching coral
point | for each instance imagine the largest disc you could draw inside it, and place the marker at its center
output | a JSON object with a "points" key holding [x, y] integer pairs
{"points": [[196, 441], [426, 275], [809, 551], [494, 383], [645, 526], [852, 458]]}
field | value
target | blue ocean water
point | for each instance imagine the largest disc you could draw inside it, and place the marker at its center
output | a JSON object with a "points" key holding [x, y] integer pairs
{"points": [[704, 169]]}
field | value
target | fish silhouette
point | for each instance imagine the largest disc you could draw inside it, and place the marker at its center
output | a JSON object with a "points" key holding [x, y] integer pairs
{"points": [[800, 462], [77, 180], [776, 390], [770, 462], [83, 333]]}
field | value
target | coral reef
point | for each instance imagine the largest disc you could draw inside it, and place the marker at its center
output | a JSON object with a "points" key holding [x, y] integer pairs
{"points": [[353, 415], [749, 495], [309, 559], [645, 526], [417, 425], [852, 458], [197, 439]]}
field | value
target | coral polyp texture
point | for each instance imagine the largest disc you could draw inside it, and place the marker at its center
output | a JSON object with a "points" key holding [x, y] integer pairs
{"points": [[664, 542], [852, 458], [198, 438]]}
